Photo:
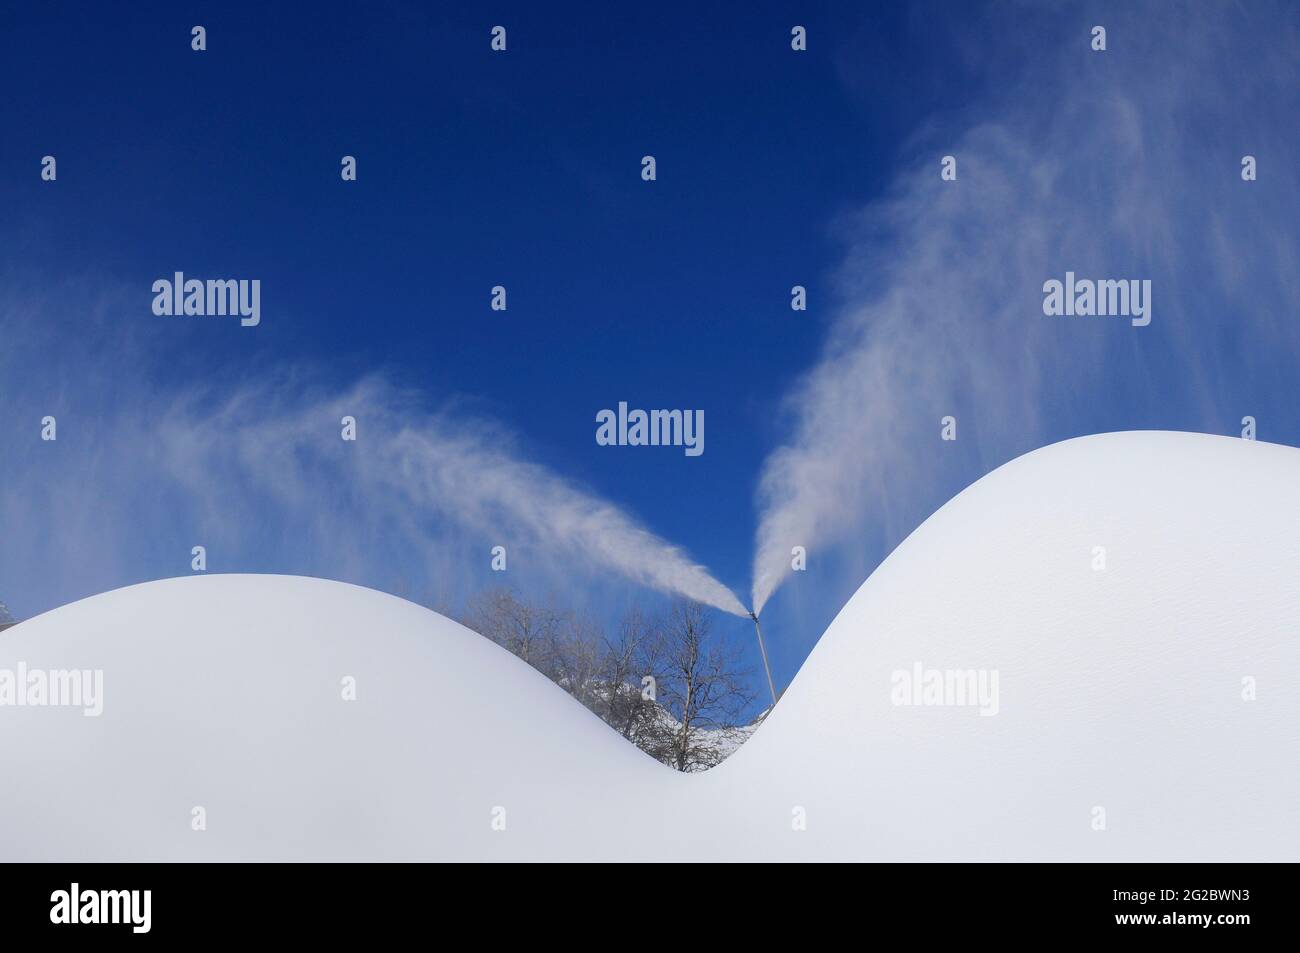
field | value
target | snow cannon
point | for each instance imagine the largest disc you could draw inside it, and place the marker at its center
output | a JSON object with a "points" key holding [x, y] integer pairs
{"points": [[762, 648]]}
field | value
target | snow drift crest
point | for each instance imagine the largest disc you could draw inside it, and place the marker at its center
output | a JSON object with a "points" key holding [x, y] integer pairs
{"points": [[1125, 729]]}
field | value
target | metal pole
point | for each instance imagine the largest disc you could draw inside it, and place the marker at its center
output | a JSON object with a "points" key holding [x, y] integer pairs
{"points": [[771, 686]]}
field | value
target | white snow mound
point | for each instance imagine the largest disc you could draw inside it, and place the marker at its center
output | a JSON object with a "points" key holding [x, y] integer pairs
{"points": [[1135, 595]]}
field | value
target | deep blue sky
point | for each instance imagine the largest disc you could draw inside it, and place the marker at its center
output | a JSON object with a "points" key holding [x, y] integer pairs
{"points": [[477, 169], [474, 170]]}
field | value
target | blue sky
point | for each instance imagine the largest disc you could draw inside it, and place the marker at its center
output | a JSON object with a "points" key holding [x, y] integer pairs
{"points": [[522, 169]]}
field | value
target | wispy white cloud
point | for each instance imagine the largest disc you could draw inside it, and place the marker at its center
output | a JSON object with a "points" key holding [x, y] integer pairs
{"points": [[257, 471], [413, 470], [1120, 164]]}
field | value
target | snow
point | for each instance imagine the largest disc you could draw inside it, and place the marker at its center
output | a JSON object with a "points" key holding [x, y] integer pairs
{"points": [[1119, 689]]}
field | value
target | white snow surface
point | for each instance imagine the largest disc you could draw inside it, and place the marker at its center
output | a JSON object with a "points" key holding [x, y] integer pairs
{"points": [[1119, 689]]}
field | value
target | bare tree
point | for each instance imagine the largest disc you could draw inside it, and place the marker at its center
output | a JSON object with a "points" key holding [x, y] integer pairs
{"points": [[575, 659], [663, 684], [526, 630], [628, 700], [701, 684]]}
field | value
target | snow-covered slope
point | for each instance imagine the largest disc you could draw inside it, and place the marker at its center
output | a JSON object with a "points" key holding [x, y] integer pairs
{"points": [[1119, 689], [226, 693]]}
